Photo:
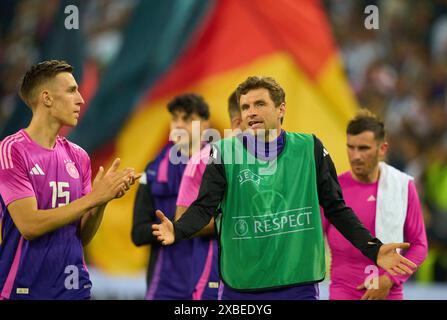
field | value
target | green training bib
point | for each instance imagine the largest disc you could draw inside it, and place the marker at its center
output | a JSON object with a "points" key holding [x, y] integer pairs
{"points": [[270, 228]]}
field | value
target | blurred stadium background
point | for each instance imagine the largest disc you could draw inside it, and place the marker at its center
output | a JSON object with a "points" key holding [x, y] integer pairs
{"points": [[132, 56]]}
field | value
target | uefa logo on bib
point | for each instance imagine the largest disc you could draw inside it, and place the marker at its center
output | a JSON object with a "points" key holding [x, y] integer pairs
{"points": [[241, 228], [72, 171]]}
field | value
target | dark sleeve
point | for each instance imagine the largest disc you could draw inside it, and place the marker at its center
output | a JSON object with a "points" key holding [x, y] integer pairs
{"points": [[331, 199], [143, 217], [211, 193]]}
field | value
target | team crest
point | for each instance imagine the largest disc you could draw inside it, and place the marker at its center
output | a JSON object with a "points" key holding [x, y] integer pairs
{"points": [[71, 169]]}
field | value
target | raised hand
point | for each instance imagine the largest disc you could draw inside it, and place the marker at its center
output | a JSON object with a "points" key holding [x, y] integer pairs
{"points": [[112, 184], [131, 181], [393, 263], [165, 230]]}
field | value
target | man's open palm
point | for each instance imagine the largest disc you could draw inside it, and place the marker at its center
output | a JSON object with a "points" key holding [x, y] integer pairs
{"points": [[393, 262], [163, 231]]}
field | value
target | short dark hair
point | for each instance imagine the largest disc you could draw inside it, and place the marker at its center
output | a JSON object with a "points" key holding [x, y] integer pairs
{"points": [[365, 120], [38, 74], [276, 92], [190, 103], [233, 106]]}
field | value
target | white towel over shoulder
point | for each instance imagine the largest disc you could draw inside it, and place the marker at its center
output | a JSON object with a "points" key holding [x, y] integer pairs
{"points": [[392, 203]]}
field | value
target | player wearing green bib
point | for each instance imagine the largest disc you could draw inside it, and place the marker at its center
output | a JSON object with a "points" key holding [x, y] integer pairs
{"points": [[274, 209], [265, 196]]}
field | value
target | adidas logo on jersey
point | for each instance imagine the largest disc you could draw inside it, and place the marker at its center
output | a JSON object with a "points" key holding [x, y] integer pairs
{"points": [[37, 171], [371, 198]]}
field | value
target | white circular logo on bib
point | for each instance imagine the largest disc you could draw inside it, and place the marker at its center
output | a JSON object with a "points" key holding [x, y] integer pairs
{"points": [[241, 228]]}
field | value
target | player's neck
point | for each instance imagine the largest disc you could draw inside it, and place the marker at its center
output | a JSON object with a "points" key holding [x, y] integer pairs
{"points": [[269, 134], [43, 131], [272, 134], [370, 178]]}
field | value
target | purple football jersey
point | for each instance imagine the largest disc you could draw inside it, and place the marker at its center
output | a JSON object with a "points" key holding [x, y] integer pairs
{"points": [[51, 266]]}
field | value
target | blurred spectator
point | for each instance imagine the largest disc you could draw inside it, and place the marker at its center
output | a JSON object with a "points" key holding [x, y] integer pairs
{"points": [[439, 39], [102, 23]]}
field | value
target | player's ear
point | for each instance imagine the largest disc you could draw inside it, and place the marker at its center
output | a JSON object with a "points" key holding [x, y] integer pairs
{"points": [[236, 122], [282, 110], [46, 98], [383, 148]]}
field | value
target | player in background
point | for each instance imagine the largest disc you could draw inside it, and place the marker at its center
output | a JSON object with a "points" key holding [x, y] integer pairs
{"points": [[386, 202], [49, 208], [169, 275], [205, 251]]}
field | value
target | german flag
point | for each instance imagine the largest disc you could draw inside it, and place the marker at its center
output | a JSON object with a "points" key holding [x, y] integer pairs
{"points": [[173, 47]]}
